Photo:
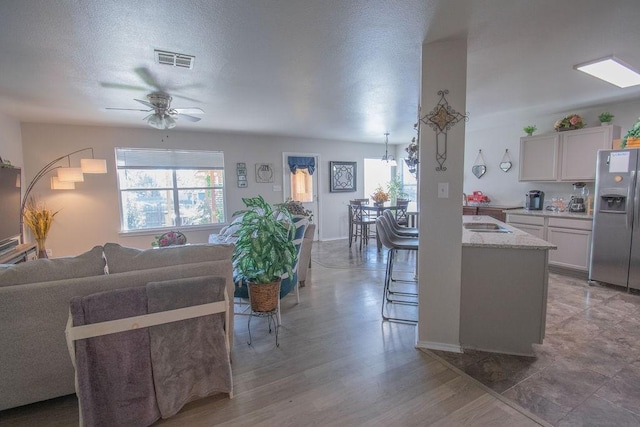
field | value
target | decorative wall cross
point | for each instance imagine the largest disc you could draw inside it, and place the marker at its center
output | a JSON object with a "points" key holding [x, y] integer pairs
{"points": [[441, 119]]}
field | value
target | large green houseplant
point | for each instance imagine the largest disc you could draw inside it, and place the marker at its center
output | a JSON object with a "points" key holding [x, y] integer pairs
{"points": [[264, 251]]}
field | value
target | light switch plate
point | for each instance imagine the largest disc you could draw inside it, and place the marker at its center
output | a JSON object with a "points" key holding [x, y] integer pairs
{"points": [[443, 190], [277, 188]]}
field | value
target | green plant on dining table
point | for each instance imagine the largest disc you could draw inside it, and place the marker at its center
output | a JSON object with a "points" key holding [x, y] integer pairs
{"points": [[264, 249]]}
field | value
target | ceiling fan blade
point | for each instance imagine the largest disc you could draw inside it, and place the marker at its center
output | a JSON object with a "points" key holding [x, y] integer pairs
{"points": [[189, 110], [122, 86], [186, 98], [148, 104], [126, 109], [188, 117], [148, 78]]}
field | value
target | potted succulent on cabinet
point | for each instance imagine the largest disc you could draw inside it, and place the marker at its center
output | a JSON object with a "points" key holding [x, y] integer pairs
{"points": [[529, 130], [264, 252], [605, 118], [632, 138]]}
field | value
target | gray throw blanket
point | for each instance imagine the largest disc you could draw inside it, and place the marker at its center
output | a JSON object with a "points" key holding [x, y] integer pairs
{"points": [[115, 389], [189, 357]]}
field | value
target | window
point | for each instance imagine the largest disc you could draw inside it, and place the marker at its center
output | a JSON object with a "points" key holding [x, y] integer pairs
{"points": [[167, 188], [409, 182], [376, 174], [302, 186]]}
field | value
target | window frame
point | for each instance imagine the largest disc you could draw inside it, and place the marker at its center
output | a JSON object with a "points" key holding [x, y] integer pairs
{"points": [[175, 189]]}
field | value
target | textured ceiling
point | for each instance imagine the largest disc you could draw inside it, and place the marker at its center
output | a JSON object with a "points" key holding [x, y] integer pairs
{"points": [[338, 69]]}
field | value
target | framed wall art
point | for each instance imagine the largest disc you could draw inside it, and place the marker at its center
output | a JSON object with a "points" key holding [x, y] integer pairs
{"points": [[264, 172], [343, 176]]}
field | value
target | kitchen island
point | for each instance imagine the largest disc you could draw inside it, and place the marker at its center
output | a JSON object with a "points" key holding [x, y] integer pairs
{"points": [[503, 298]]}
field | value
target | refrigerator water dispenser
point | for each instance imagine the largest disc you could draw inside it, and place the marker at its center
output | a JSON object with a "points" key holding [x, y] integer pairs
{"points": [[613, 203]]}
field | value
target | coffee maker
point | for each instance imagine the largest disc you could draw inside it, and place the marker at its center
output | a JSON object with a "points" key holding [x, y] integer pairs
{"points": [[534, 200], [580, 191]]}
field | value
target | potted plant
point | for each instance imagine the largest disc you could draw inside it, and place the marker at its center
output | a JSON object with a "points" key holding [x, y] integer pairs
{"points": [[295, 208], [264, 252], [570, 122], [394, 188], [605, 118], [380, 196], [632, 138], [529, 130]]}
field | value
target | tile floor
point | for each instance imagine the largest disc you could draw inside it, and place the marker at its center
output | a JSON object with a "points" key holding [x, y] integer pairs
{"points": [[587, 371]]}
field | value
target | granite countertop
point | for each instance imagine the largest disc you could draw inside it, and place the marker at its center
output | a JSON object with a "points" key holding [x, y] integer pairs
{"points": [[566, 214], [516, 239]]}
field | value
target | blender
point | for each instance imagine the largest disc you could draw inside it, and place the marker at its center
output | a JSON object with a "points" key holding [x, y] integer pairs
{"points": [[580, 193]]}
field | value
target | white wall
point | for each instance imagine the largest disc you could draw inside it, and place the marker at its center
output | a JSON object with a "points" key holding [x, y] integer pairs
{"points": [[10, 140], [444, 66], [90, 214], [493, 138]]}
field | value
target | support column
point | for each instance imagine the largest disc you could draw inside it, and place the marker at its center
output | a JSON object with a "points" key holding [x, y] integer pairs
{"points": [[444, 66]]}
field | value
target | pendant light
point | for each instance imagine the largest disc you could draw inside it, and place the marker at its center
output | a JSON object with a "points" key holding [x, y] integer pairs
{"points": [[388, 158]]}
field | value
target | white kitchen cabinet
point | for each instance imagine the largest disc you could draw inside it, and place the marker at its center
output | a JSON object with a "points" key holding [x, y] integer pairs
{"points": [[533, 225], [564, 156], [539, 158], [571, 235], [579, 149], [573, 239]]}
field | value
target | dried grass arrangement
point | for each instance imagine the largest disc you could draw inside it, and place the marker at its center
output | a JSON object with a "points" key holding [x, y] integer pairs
{"points": [[38, 218]]}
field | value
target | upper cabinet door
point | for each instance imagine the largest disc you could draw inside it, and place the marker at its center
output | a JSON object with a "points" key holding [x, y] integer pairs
{"points": [[539, 158], [578, 151]]}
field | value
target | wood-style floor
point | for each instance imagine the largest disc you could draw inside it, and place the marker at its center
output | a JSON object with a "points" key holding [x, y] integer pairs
{"points": [[337, 364]]}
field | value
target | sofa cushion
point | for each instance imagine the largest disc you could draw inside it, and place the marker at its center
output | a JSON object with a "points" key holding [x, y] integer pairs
{"points": [[46, 270], [121, 259]]}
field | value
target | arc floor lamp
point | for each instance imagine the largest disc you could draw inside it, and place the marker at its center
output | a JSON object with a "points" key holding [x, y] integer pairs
{"points": [[66, 177]]}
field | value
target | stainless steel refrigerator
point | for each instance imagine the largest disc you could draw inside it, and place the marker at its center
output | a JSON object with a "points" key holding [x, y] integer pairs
{"points": [[615, 244]]}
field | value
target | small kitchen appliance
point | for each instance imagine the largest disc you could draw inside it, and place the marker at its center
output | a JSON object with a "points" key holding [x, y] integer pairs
{"points": [[534, 200], [578, 198]]}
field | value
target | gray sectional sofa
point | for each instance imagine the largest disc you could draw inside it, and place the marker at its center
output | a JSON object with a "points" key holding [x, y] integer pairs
{"points": [[34, 305]]}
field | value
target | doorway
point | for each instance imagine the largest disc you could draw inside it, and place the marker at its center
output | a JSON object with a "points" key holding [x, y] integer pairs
{"points": [[302, 185]]}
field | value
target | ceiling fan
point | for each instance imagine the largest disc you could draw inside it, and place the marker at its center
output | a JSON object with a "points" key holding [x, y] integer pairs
{"points": [[162, 115]]}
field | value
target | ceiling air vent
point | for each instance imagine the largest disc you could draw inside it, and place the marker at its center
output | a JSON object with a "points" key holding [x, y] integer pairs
{"points": [[174, 59]]}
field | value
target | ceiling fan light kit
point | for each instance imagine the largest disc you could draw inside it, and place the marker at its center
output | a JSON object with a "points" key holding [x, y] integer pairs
{"points": [[162, 115]]}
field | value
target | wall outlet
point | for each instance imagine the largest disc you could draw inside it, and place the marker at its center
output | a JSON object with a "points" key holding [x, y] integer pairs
{"points": [[49, 252]]}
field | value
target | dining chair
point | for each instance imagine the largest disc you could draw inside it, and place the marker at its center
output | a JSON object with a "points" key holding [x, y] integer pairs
{"points": [[360, 223], [401, 211]]}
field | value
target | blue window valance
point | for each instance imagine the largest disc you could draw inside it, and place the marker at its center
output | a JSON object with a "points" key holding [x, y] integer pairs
{"points": [[308, 163]]}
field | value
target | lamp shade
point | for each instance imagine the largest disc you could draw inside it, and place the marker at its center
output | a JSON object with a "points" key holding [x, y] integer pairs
{"points": [[93, 165], [56, 184], [70, 175]]}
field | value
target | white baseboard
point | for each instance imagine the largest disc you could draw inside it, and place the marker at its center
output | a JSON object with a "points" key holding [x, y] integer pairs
{"points": [[452, 348]]}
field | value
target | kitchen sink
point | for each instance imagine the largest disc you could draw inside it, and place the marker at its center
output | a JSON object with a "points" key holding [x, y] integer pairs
{"points": [[485, 227]]}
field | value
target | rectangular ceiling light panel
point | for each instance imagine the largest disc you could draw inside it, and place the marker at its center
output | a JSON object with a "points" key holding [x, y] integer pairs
{"points": [[611, 70], [179, 60]]}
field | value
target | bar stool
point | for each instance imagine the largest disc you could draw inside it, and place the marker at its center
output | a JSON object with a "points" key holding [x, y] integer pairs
{"points": [[397, 229], [394, 243]]}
